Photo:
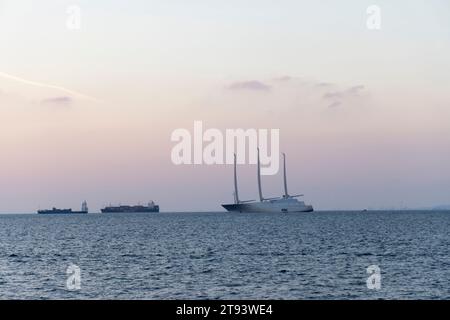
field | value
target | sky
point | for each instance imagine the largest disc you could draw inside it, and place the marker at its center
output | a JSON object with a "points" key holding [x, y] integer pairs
{"points": [[87, 113]]}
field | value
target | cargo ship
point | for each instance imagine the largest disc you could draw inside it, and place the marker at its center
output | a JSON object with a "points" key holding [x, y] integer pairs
{"points": [[151, 207], [84, 210]]}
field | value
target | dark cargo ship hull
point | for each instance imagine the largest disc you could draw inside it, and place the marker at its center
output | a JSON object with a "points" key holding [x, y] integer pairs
{"points": [[130, 209], [61, 211]]}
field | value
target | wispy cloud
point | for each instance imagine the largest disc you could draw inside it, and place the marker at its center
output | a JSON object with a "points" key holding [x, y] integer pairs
{"points": [[335, 104], [352, 91], [333, 95], [337, 97], [253, 85], [324, 84], [283, 79], [355, 90], [298, 93], [58, 101], [49, 86]]}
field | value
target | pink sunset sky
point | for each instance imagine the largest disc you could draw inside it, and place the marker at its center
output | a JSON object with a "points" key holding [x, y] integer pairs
{"points": [[87, 114]]}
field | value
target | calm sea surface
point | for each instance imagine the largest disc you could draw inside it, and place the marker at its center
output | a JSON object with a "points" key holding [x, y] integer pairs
{"points": [[322, 255]]}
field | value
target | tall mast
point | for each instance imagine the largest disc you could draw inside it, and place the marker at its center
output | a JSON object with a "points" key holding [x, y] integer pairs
{"points": [[259, 180], [236, 195], [286, 194]]}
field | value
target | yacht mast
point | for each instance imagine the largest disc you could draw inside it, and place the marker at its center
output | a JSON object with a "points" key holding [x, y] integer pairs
{"points": [[259, 180], [236, 195], [286, 194]]}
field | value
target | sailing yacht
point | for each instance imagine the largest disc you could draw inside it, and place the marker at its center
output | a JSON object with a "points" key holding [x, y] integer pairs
{"points": [[284, 204]]}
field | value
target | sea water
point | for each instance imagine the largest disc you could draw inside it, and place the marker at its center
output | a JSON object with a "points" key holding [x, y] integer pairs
{"points": [[319, 255]]}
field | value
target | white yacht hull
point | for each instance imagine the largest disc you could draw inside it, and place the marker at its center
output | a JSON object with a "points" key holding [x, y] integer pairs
{"points": [[273, 206]]}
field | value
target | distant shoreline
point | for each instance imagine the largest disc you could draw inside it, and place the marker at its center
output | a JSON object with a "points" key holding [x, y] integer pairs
{"points": [[228, 213]]}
